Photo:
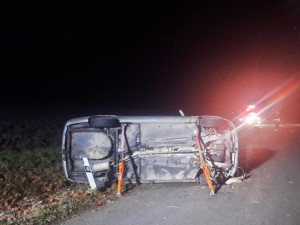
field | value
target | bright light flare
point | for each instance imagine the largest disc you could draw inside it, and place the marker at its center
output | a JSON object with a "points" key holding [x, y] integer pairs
{"points": [[280, 93], [250, 107], [277, 95], [252, 118]]}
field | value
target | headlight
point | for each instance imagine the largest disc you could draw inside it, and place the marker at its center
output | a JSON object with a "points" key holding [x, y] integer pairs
{"points": [[253, 118]]}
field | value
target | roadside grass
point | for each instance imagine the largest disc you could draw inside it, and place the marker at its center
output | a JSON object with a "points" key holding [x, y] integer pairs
{"points": [[34, 189]]}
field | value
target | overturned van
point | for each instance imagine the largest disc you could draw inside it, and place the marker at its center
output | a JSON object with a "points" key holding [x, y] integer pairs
{"points": [[153, 149]]}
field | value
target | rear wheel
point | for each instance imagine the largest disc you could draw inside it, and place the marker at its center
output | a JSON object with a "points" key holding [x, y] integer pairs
{"points": [[104, 122]]}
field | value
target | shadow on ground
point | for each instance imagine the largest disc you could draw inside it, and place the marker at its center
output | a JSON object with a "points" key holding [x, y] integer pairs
{"points": [[249, 158]]}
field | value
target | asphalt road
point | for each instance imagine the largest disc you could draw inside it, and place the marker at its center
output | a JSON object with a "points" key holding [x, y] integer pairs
{"points": [[270, 195]]}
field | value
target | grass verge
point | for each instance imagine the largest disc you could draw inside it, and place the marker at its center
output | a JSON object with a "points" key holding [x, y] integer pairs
{"points": [[34, 190]]}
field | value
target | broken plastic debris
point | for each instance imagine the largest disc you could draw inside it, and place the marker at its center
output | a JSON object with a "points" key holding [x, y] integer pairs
{"points": [[233, 180]]}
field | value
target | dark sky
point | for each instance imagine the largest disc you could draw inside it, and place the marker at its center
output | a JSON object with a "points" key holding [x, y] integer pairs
{"points": [[202, 56]]}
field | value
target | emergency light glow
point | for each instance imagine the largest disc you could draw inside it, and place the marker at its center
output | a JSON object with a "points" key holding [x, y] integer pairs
{"points": [[250, 107], [253, 118]]}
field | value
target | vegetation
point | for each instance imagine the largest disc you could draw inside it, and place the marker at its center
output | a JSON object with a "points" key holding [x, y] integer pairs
{"points": [[34, 189]]}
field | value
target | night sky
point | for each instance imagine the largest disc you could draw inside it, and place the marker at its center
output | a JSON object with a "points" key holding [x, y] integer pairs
{"points": [[206, 57]]}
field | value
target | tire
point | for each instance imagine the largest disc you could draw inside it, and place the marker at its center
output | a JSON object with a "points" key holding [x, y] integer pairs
{"points": [[219, 123], [101, 122]]}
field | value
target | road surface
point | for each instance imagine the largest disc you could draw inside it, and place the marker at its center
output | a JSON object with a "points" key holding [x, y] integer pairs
{"points": [[269, 196]]}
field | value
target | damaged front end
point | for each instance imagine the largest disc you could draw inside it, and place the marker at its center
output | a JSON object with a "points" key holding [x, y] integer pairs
{"points": [[155, 149]]}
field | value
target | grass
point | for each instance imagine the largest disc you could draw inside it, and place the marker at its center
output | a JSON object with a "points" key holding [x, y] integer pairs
{"points": [[34, 189], [39, 159]]}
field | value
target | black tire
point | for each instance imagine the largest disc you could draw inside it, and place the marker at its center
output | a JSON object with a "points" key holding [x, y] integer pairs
{"points": [[104, 122], [219, 123]]}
